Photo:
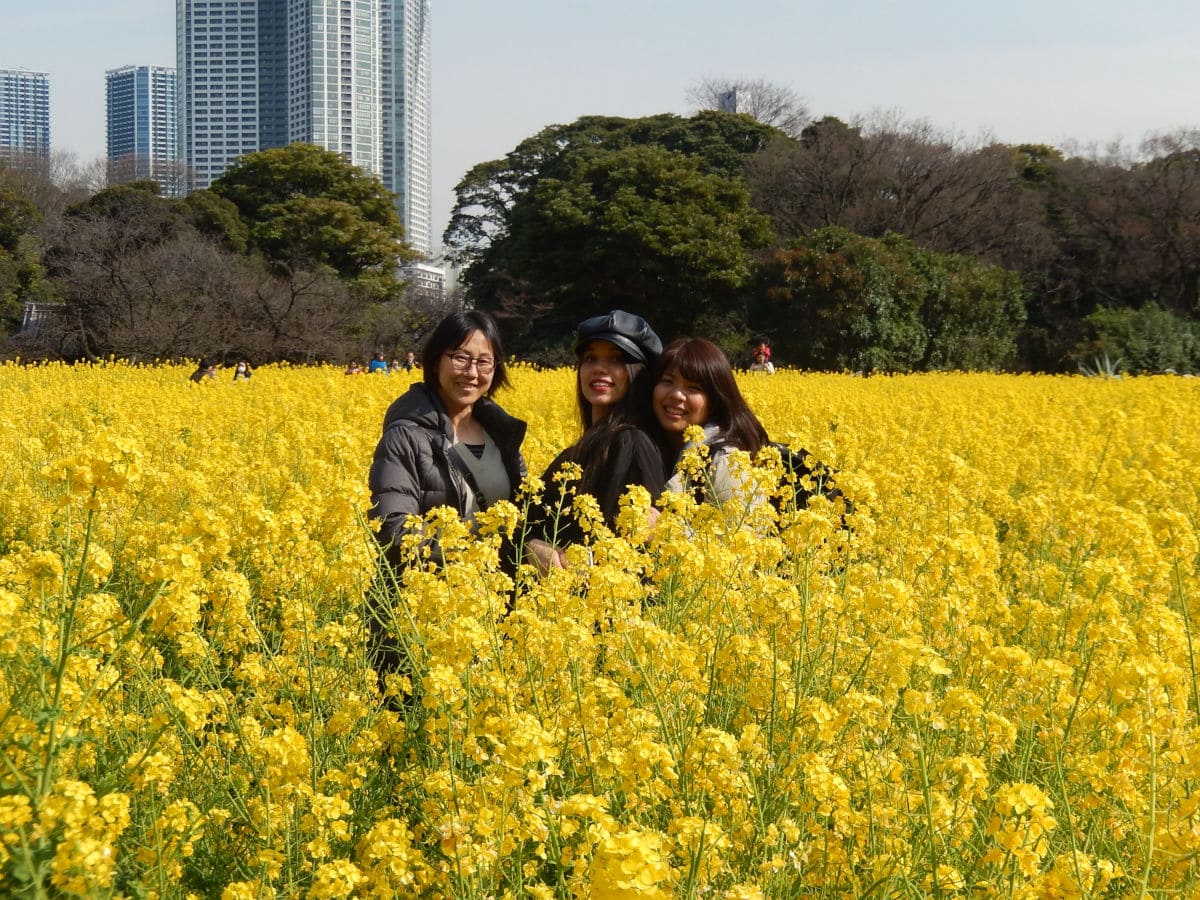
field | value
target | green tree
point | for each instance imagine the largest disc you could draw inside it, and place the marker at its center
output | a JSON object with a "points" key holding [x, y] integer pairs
{"points": [[218, 218], [490, 193], [837, 300], [649, 213], [972, 312], [841, 301], [21, 275], [1147, 339], [306, 208], [641, 227]]}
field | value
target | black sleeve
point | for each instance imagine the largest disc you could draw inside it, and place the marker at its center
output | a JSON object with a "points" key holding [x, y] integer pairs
{"points": [[543, 520], [633, 459], [396, 490]]}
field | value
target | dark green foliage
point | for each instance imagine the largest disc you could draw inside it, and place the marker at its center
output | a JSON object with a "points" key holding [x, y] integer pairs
{"points": [[1149, 339], [138, 215], [836, 300], [643, 214], [307, 208], [217, 218], [21, 275], [971, 312], [641, 228]]}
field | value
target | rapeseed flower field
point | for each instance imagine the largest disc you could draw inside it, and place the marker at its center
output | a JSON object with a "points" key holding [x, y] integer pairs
{"points": [[980, 682]]}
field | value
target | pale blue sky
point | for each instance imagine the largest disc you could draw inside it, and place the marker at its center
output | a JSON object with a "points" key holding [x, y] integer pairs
{"points": [[1055, 71]]}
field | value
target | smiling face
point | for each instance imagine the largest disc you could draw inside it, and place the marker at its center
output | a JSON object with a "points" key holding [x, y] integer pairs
{"points": [[603, 376], [459, 390], [678, 403]]}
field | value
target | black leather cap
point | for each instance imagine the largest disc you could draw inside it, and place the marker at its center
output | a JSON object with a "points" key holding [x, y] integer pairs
{"points": [[631, 333]]}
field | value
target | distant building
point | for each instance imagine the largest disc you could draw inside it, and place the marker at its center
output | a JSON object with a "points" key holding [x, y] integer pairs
{"points": [[407, 116], [428, 283], [24, 117], [232, 99], [38, 318], [143, 129], [347, 76]]}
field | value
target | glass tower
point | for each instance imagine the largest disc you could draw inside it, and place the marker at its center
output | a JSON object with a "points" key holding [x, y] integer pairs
{"points": [[140, 102], [347, 75], [407, 123], [25, 117]]}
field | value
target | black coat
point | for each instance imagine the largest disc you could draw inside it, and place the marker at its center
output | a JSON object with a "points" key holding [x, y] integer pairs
{"points": [[632, 458], [412, 472]]}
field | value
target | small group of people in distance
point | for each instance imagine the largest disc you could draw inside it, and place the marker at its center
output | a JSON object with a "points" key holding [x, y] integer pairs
{"points": [[206, 370], [380, 366], [446, 441]]}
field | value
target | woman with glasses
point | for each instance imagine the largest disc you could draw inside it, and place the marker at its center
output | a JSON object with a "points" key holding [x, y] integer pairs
{"points": [[445, 441]]}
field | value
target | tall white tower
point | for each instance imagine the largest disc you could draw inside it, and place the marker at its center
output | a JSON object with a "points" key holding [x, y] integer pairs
{"points": [[348, 75], [222, 83], [334, 78], [407, 119]]}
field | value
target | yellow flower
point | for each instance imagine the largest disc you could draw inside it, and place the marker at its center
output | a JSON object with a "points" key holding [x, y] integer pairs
{"points": [[336, 880], [630, 864]]}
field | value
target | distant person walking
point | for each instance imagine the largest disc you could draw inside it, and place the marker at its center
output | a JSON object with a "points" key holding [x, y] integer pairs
{"points": [[761, 360], [206, 369]]}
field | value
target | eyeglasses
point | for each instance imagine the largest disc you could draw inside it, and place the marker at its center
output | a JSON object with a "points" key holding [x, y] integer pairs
{"points": [[462, 362]]}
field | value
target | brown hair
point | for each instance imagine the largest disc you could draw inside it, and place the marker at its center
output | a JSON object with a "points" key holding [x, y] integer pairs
{"points": [[703, 363]]}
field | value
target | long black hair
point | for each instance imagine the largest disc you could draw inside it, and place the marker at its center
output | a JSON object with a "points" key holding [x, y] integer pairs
{"points": [[450, 334]]}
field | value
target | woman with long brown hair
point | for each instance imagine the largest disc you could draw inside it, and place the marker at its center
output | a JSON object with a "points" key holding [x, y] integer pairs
{"points": [[694, 385]]}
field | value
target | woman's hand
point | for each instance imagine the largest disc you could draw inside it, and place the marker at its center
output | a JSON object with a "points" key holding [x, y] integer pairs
{"points": [[545, 556]]}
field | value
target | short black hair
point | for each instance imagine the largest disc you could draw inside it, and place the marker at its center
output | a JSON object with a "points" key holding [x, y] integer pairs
{"points": [[452, 332]]}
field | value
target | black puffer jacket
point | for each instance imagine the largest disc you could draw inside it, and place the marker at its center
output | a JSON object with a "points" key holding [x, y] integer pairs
{"points": [[412, 472]]}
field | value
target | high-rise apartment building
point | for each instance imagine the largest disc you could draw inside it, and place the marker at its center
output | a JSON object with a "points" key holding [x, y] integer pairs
{"points": [[348, 75], [142, 126], [407, 127], [24, 116], [230, 88]]}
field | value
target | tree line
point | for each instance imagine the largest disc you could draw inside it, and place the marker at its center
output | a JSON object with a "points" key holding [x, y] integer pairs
{"points": [[877, 245], [872, 245], [292, 254]]}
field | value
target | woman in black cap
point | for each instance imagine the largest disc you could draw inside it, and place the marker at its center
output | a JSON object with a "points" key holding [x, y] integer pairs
{"points": [[614, 352]]}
